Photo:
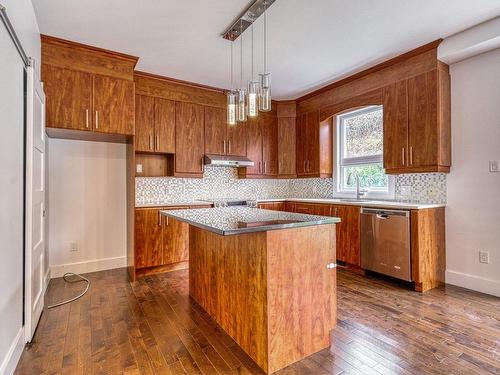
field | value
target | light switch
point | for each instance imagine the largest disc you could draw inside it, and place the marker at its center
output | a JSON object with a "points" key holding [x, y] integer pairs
{"points": [[138, 168], [494, 166]]}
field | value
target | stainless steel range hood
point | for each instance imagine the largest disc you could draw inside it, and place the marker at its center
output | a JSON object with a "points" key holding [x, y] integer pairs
{"points": [[228, 161]]}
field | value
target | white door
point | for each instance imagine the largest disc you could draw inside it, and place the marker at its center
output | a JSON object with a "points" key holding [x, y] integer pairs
{"points": [[35, 203]]}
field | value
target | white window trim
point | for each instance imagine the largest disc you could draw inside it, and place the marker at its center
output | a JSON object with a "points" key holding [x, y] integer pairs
{"points": [[351, 193]]}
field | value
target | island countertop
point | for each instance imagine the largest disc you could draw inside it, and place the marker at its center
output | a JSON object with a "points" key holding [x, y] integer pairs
{"points": [[227, 221]]}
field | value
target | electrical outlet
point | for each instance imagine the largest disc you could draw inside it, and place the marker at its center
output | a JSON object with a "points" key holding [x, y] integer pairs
{"points": [[73, 246], [138, 168], [484, 257], [494, 166]]}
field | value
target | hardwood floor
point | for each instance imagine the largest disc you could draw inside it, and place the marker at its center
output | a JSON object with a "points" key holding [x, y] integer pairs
{"points": [[152, 327]]}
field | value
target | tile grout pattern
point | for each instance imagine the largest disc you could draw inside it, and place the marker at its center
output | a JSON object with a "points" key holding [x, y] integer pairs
{"points": [[221, 183]]}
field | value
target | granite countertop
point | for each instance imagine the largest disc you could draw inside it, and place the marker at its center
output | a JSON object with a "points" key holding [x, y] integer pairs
{"points": [[239, 219], [372, 203]]}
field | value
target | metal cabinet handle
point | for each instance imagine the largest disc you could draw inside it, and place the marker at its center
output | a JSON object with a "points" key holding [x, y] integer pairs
{"points": [[265, 167], [224, 146], [201, 164], [151, 142], [87, 118], [159, 218], [411, 155], [228, 146], [305, 166], [403, 155], [97, 119], [157, 143], [260, 167]]}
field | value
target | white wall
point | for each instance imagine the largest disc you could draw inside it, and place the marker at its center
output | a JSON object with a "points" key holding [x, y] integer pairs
{"points": [[23, 19], [473, 211], [87, 205]]}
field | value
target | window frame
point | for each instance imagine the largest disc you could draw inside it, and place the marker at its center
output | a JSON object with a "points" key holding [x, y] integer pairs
{"points": [[341, 161]]}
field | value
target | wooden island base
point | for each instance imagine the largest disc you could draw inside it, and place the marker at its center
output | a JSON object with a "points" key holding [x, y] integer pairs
{"points": [[270, 291]]}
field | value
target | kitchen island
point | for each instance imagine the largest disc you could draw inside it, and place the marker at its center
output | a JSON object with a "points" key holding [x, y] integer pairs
{"points": [[268, 278]]}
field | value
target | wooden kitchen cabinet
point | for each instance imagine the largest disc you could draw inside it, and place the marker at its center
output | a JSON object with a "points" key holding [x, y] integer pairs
{"points": [[148, 238], [275, 206], [175, 238], [113, 104], [286, 147], [221, 138], [155, 125], [189, 139], [314, 146], [254, 146], [90, 102], [269, 129], [68, 98], [348, 234], [417, 124]]}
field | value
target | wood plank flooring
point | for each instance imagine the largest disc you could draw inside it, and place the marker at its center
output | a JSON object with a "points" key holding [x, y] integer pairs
{"points": [[152, 327]]}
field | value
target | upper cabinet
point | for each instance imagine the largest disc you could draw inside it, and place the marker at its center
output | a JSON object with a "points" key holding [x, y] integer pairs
{"points": [[154, 125], [314, 146], [286, 113], [262, 146], [221, 138], [417, 124], [88, 89], [189, 139]]}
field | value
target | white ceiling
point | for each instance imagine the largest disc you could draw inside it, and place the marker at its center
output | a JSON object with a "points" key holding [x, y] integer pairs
{"points": [[311, 43]]}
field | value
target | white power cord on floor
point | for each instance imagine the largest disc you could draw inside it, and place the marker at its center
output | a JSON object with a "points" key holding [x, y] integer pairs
{"points": [[72, 281]]}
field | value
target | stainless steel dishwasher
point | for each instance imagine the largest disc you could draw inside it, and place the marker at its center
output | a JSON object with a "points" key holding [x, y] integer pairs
{"points": [[385, 242]]}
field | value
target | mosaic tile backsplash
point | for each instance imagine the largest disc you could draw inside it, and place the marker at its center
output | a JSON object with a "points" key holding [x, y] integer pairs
{"points": [[221, 183]]}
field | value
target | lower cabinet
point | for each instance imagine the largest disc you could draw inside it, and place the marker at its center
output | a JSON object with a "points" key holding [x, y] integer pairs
{"points": [[160, 241], [275, 206], [348, 233]]}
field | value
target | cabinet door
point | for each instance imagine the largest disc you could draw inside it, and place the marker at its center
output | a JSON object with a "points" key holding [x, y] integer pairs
{"points": [[269, 129], [114, 105], [148, 238], [175, 235], [289, 207], [395, 108], [304, 208], [286, 147], [301, 144], [215, 131], [237, 140], [165, 126], [189, 139], [423, 120], [312, 143], [68, 98], [144, 123], [348, 235], [254, 146]]}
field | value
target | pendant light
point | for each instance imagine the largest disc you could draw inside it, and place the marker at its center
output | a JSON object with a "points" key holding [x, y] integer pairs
{"points": [[241, 107], [265, 77], [231, 97], [253, 91]]}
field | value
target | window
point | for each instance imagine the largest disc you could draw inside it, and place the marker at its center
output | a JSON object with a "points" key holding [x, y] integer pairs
{"points": [[360, 154]]}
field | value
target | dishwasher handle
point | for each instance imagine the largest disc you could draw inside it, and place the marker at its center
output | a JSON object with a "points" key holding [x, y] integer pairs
{"points": [[383, 214]]}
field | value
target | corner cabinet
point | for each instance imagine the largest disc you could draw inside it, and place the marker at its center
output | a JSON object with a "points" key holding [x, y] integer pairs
{"points": [[417, 126]]}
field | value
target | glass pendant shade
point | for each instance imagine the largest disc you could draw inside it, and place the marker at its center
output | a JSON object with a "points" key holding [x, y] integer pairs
{"points": [[253, 92], [231, 108], [265, 92], [241, 106]]}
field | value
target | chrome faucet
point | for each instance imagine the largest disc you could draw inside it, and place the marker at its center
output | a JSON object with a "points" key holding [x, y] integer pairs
{"points": [[359, 192]]}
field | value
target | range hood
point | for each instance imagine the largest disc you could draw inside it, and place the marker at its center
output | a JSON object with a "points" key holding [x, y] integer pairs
{"points": [[228, 161]]}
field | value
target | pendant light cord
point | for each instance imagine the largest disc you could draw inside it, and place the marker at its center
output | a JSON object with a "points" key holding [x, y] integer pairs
{"points": [[251, 78], [265, 37], [232, 86], [241, 54]]}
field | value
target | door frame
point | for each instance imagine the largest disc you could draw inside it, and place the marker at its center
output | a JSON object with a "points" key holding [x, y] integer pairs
{"points": [[31, 77]]}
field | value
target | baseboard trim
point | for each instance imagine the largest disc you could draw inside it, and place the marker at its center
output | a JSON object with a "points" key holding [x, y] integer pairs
{"points": [[12, 357], [473, 282], [58, 270]]}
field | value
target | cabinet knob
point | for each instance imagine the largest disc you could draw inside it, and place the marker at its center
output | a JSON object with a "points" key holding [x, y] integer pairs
{"points": [[331, 266]]}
